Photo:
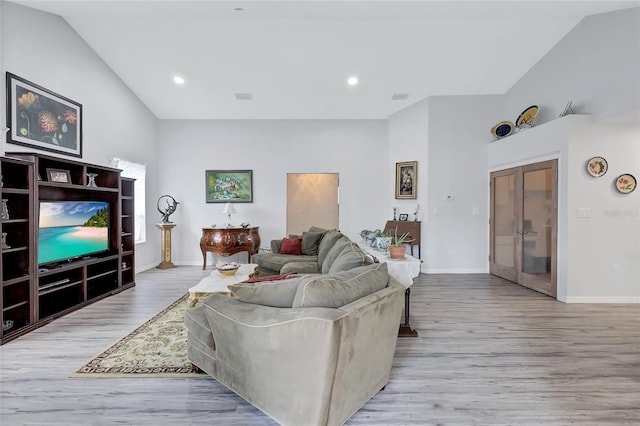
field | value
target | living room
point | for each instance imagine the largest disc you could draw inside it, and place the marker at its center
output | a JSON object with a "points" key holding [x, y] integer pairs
{"points": [[596, 65], [454, 239]]}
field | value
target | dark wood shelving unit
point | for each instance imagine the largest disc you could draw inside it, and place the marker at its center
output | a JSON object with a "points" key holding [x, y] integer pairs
{"points": [[32, 296]]}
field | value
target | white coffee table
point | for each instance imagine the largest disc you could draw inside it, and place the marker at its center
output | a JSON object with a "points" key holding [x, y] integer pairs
{"points": [[217, 283]]}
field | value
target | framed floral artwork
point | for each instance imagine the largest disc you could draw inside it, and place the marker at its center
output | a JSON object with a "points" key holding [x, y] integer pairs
{"points": [[41, 119], [407, 180], [229, 186]]}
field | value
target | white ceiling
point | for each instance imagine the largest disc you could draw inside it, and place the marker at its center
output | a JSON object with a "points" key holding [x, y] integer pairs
{"points": [[294, 57]]}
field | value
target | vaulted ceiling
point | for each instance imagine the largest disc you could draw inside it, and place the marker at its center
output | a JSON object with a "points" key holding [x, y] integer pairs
{"points": [[292, 59]]}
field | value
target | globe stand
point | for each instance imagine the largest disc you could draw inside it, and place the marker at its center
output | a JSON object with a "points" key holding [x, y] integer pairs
{"points": [[165, 229]]}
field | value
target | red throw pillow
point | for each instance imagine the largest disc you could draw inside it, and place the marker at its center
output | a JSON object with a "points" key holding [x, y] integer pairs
{"points": [[291, 246], [269, 278]]}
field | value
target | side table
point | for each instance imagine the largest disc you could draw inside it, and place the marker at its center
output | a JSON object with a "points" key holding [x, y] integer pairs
{"points": [[228, 241], [403, 271]]}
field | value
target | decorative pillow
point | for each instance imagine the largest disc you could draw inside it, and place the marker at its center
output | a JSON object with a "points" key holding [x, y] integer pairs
{"points": [[350, 257], [291, 246], [333, 291], [333, 253], [326, 243], [310, 242], [278, 294]]}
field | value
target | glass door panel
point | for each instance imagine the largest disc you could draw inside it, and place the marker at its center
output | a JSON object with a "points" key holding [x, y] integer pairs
{"points": [[504, 239], [504, 221], [536, 222]]}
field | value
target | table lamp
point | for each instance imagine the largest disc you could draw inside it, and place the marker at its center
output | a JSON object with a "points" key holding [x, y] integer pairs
{"points": [[229, 210]]}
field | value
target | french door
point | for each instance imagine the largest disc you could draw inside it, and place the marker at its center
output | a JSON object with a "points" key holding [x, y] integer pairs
{"points": [[524, 221]]}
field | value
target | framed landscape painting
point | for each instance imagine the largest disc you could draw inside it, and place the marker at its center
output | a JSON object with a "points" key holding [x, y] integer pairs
{"points": [[39, 118], [229, 186], [407, 180]]}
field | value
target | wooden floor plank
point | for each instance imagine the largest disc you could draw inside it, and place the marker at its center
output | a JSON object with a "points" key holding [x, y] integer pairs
{"points": [[489, 352]]}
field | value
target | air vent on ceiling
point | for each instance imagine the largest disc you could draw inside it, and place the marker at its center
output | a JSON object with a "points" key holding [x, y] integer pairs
{"points": [[399, 96], [244, 96]]}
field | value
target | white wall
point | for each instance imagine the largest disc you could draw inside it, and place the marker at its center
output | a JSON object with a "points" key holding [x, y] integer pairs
{"points": [[43, 49], [596, 65], [271, 148], [457, 231], [604, 249], [408, 136]]}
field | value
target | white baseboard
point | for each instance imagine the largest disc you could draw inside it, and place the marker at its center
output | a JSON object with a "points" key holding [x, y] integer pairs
{"points": [[602, 299], [455, 271], [145, 267]]}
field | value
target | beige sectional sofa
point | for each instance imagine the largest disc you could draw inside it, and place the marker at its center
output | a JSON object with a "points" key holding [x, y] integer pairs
{"points": [[307, 350], [323, 252]]}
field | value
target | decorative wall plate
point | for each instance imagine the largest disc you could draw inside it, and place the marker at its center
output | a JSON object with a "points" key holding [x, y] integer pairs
{"points": [[597, 166], [502, 129], [527, 116], [626, 183]]}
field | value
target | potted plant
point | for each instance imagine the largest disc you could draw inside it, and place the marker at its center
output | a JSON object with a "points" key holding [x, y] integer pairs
{"points": [[397, 249]]}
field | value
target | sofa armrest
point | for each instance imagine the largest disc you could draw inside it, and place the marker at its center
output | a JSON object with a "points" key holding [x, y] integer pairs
{"points": [[276, 245], [258, 358]]}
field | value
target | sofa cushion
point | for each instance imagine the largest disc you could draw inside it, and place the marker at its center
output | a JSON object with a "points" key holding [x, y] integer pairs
{"points": [[326, 243], [333, 291], [275, 261], [301, 268], [278, 294], [291, 246], [198, 326], [310, 242], [333, 253], [350, 257]]}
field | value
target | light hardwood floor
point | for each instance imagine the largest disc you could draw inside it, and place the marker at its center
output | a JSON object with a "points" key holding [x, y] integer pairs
{"points": [[489, 353]]}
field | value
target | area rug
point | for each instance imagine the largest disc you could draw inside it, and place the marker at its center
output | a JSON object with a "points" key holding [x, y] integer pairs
{"points": [[158, 348]]}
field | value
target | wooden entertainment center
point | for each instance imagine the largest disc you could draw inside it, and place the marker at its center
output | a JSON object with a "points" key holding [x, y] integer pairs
{"points": [[32, 296]]}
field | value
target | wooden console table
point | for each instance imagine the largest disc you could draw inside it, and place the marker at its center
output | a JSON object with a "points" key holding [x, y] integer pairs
{"points": [[228, 241], [412, 227]]}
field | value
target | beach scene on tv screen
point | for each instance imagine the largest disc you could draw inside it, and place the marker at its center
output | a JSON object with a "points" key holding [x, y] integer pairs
{"points": [[70, 229]]}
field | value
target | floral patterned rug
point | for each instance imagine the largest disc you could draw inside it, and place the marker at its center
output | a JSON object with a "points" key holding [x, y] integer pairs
{"points": [[158, 348]]}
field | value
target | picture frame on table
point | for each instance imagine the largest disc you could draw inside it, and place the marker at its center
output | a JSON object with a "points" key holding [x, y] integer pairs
{"points": [[58, 175], [42, 119], [403, 217], [407, 180], [229, 186]]}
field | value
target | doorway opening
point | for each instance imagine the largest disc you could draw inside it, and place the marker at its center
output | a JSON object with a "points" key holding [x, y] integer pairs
{"points": [[312, 199]]}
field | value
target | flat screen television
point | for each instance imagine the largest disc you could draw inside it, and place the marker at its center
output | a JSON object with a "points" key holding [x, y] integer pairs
{"points": [[71, 229]]}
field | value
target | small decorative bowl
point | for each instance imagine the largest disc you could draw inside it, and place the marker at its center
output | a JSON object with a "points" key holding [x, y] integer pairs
{"points": [[228, 268]]}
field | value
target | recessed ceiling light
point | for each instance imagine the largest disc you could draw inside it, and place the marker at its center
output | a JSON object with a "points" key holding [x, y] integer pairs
{"points": [[244, 96], [178, 80], [238, 9], [352, 81]]}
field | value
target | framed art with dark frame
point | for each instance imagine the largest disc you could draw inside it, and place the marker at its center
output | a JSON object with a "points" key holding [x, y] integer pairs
{"points": [[229, 186], [403, 216], [407, 180], [39, 118]]}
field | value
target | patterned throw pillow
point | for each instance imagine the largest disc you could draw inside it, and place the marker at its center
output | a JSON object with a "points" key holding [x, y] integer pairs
{"points": [[291, 246]]}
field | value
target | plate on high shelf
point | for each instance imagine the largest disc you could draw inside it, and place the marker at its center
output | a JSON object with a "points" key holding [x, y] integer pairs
{"points": [[626, 183], [527, 116], [597, 166], [502, 129]]}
